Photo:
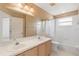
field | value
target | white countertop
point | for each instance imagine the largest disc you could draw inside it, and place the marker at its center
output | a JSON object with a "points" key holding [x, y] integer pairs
{"points": [[10, 49]]}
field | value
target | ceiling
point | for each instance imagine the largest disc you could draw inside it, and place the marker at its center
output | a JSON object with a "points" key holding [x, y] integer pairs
{"points": [[45, 11], [58, 8]]}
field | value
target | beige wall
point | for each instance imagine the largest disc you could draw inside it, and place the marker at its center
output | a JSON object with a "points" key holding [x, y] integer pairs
{"points": [[30, 25]]}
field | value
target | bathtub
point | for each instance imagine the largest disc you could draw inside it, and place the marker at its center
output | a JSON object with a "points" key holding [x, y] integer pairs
{"points": [[72, 50]]}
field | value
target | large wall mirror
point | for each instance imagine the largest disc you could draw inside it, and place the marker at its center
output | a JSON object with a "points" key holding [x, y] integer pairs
{"points": [[10, 27]]}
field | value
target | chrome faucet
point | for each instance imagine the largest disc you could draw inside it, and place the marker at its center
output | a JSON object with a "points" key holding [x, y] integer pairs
{"points": [[17, 43], [39, 37]]}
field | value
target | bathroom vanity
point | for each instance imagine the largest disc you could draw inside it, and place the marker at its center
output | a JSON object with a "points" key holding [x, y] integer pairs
{"points": [[27, 46], [43, 49]]}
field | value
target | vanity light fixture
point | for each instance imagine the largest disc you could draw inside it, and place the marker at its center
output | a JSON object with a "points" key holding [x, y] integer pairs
{"points": [[22, 8], [27, 8], [32, 10], [19, 5]]}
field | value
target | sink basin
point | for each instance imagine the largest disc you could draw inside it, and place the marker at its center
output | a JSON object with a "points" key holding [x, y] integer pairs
{"points": [[14, 48], [19, 46]]}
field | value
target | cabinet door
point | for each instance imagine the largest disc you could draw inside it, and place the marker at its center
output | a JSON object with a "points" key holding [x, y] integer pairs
{"points": [[41, 49], [22, 54], [48, 48], [45, 49], [31, 52]]}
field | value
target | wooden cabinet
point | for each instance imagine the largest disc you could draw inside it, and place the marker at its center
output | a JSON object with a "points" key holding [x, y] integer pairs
{"points": [[43, 49]]}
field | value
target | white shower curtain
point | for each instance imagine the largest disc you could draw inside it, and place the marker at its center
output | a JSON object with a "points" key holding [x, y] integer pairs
{"points": [[50, 28], [46, 28]]}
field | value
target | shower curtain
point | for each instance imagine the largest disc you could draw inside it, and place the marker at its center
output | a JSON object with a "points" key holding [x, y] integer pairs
{"points": [[46, 28]]}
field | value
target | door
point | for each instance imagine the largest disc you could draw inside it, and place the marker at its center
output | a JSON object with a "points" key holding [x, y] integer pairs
{"points": [[16, 27], [6, 27]]}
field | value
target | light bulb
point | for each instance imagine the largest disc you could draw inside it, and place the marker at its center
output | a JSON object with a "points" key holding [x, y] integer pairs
{"points": [[20, 5], [31, 9], [26, 7]]}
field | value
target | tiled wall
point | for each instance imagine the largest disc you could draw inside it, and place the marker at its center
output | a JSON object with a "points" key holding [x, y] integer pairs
{"points": [[69, 35]]}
